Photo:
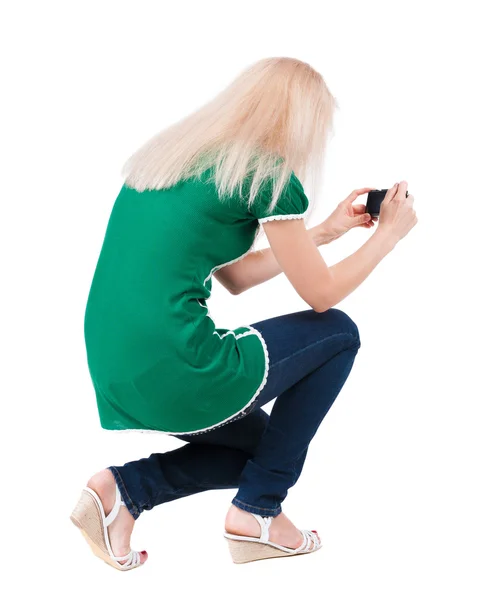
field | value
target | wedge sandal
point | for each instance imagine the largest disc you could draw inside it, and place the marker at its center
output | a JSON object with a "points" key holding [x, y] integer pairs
{"points": [[245, 549], [89, 517]]}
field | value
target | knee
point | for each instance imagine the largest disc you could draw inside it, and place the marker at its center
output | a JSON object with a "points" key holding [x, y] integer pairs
{"points": [[342, 322]]}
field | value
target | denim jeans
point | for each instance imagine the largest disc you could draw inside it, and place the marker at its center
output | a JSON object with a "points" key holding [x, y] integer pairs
{"points": [[311, 355]]}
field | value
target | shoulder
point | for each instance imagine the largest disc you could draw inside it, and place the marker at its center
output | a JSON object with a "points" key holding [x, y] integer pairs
{"points": [[292, 202]]}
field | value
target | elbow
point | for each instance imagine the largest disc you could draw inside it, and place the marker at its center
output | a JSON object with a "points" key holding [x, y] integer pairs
{"points": [[235, 291], [322, 307], [323, 300]]}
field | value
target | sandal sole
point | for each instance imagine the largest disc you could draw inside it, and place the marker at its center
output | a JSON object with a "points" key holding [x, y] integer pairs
{"points": [[244, 551]]}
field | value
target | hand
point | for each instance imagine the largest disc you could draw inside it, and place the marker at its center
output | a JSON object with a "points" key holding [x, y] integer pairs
{"points": [[397, 216], [346, 216]]}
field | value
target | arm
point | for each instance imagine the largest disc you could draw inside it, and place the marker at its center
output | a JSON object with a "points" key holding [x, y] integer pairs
{"points": [[261, 265], [319, 285], [257, 267]]}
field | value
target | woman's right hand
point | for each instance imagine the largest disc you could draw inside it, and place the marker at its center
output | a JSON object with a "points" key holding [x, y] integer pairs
{"points": [[397, 216]]}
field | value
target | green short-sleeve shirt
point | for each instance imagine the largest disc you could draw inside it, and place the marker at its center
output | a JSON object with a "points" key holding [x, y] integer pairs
{"points": [[155, 356]]}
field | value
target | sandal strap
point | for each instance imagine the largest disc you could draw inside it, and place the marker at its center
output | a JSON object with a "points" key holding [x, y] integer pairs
{"points": [[264, 523], [310, 538], [310, 541], [116, 507], [304, 543], [131, 559]]}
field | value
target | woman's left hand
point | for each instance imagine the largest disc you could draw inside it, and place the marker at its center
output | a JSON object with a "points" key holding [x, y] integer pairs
{"points": [[346, 216]]}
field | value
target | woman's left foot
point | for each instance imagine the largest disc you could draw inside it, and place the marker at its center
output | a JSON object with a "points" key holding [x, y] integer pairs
{"points": [[120, 530], [282, 531]]}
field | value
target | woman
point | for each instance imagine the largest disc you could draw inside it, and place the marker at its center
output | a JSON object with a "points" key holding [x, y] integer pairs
{"points": [[190, 209]]}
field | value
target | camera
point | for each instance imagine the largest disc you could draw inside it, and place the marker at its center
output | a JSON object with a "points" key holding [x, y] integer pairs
{"points": [[375, 198]]}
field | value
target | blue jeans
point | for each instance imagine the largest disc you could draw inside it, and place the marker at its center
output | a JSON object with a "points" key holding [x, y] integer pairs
{"points": [[311, 355]]}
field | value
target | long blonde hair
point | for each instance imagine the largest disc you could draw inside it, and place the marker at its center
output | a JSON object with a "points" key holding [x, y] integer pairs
{"points": [[274, 118]]}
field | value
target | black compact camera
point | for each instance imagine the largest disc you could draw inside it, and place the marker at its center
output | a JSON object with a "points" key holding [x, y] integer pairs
{"points": [[375, 198]]}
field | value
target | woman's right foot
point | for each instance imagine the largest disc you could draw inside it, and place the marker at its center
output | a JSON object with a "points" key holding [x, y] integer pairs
{"points": [[119, 532], [281, 531]]}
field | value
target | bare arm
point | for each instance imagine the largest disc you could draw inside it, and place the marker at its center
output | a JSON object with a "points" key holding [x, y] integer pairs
{"points": [[323, 286], [294, 251], [261, 265]]}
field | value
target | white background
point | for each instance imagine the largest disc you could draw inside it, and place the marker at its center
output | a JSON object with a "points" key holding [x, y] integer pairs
{"points": [[398, 479]]}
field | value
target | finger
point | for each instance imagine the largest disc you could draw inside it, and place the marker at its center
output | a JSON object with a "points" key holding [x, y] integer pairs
{"points": [[355, 193], [362, 219], [390, 194], [359, 209], [401, 191], [409, 200]]}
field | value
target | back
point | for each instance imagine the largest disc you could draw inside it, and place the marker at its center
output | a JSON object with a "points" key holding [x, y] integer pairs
{"points": [[152, 346]]}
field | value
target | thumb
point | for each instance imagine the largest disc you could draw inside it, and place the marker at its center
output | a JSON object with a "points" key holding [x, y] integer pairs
{"points": [[361, 219]]}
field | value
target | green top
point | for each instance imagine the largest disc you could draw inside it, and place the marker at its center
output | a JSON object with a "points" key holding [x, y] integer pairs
{"points": [[156, 359]]}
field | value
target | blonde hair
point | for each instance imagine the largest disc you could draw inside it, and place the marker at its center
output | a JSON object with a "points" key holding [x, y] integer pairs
{"points": [[274, 118]]}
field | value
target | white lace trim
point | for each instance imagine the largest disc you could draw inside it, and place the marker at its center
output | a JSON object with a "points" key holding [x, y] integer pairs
{"points": [[230, 262], [216, 268], [282, 217], [252, 331]]}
